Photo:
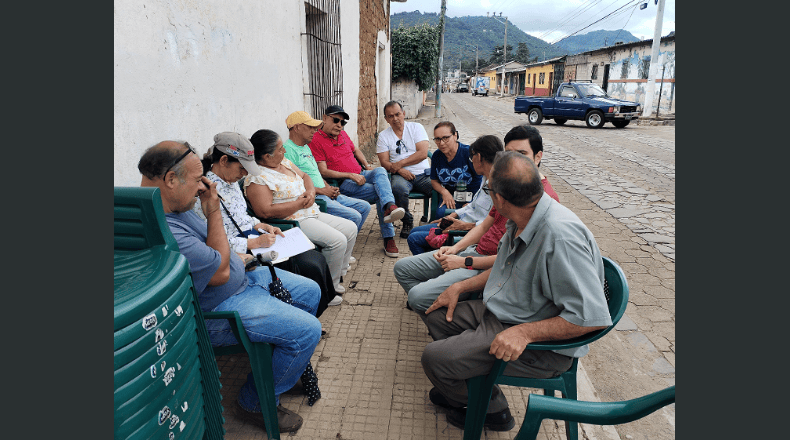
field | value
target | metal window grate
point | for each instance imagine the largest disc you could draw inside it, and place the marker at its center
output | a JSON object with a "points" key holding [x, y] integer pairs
{"points": [[325, 60]]}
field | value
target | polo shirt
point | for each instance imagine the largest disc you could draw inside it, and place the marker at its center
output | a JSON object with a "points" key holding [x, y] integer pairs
{"points": [[337, 153], [553, 268]]}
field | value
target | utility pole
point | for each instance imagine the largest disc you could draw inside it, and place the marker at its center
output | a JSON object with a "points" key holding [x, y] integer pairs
{"points": [[438, 107], [651, 75], [476, 49], [502, 88]]}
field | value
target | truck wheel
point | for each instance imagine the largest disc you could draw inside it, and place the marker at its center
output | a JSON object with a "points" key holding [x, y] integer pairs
{"points": [[620, 124], [594, 119], [535, 116], [560, 121]]}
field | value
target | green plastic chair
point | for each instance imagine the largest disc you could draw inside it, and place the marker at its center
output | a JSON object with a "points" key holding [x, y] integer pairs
{"points": [[140, 233], [480, 387], [428, 208], [150, 229], [595, 413], [260, 354]]}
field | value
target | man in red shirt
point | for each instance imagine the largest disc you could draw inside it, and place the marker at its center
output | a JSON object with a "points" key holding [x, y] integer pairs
{"points": [[338, 158], [425, 276]]}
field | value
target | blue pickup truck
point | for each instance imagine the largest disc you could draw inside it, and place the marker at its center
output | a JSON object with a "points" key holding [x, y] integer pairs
{"points": [[582, 101]]}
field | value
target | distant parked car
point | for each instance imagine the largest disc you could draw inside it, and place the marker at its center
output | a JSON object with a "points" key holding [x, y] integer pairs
{"points": [[462, 88], [580, 101]]}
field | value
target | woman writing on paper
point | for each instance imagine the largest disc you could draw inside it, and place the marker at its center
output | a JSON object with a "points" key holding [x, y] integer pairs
{"points": [[282, 190], [227, 162]]}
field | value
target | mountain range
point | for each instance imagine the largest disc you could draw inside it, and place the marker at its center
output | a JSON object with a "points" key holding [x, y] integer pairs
{"points": [[462, 34]]}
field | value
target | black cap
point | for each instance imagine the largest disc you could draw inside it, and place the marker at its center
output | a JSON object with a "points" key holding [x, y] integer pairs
{"points": [[336, 110]]}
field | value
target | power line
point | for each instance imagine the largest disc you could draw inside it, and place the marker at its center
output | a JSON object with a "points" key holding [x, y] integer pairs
{"points": [[598, 21], [626, 24], [602, 9], [572, 15]]}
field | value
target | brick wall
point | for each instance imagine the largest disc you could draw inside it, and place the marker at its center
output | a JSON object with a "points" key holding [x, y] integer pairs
{"points": [[372, 19]]}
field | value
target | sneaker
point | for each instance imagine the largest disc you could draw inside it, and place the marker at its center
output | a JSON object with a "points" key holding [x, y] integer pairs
{"points": [[406, 230], [351, 261], [287, 420], [390, 248], [393, 213], [339, 289], [336, 300], [499, 421]]}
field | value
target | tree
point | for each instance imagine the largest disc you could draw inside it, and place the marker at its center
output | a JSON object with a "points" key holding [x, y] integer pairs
{"points": [[498, 57], [522, 54], [415, 54]]}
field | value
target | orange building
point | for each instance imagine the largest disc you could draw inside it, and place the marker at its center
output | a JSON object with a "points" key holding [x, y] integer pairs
{"points": [[542, 78]]}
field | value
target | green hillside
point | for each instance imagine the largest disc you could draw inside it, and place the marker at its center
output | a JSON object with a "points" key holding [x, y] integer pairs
{"points": [[594, 40], [461, 34]]}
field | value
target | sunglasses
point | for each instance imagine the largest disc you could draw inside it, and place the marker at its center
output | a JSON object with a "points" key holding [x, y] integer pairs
{"points": [[342, 122], [180, 158], [399, 144], [441, 139]]}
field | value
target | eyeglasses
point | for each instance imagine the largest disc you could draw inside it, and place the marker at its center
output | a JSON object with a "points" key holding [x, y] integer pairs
{"points": [[342, 122], [441, 139], [486, 189], [399, 144], [180, 158]]}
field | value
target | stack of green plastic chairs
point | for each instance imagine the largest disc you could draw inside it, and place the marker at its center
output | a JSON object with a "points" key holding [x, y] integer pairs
{"points": [[166, 380]]}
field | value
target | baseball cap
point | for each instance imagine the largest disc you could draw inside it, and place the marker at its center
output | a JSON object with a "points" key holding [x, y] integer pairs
{"points": [[301, 117], [336, 110], [239, 147]]}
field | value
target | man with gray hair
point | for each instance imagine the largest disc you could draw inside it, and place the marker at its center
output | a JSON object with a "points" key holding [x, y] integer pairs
{"points": [[546, 284], [222, 284]]}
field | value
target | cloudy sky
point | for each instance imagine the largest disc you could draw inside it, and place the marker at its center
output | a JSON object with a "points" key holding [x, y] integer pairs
{"points": [[551, 20]]}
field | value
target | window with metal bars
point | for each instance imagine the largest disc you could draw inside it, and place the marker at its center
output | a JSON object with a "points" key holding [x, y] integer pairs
{"points": [[325, 61]]}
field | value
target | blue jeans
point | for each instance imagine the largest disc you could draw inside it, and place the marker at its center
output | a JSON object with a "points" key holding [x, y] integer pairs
{"points": [[348, 208], [402, 187], [416, 240], [292, 329], [375, 189]]}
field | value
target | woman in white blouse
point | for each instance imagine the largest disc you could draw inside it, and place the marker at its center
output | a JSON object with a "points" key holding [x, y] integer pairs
{"points": [[284, 191], [229, 160]]}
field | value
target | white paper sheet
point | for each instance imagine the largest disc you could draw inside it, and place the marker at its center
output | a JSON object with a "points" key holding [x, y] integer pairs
{"points": [[294, 243]]}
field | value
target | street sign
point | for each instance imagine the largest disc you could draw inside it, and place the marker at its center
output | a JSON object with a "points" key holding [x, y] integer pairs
{"points": [[644, 5]]}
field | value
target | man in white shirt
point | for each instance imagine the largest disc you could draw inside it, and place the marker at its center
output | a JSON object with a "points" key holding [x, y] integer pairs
{"points": [[402, 150]]}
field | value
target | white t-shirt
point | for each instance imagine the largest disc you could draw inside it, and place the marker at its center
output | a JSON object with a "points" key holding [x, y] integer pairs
{"points": [[412, 133]]}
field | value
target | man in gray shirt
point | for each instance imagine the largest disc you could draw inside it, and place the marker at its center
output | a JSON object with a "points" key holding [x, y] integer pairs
{"points": [[546, 284]]}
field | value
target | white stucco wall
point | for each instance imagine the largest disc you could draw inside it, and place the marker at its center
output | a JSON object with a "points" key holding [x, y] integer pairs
{"points": [[383, 77], [636, 91], [405, 91], [349, 40], [630, 86], [188, 69]]}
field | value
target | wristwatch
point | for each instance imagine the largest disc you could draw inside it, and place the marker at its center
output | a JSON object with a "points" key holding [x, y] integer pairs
{"points": [[468, 262]]}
